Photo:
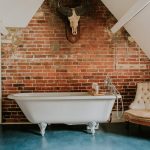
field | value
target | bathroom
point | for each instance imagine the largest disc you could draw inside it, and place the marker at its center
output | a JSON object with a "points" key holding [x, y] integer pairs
{"points": [[39, 58]]}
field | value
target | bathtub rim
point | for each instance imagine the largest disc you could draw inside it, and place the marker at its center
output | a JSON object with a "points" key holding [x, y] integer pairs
{"points": [[32, 96]]}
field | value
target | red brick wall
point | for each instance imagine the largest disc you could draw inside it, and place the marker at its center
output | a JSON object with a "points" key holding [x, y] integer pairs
{"points": [[40, 59]]}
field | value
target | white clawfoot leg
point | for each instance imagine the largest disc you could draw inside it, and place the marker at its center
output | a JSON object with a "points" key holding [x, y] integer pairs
{"points": [[42, 126], [92, 126]]}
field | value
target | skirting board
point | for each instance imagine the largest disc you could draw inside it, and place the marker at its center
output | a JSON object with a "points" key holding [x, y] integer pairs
{"points": [[114, 119]]}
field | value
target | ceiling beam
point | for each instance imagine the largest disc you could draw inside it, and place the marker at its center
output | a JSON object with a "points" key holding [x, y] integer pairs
{"points": [[3, 29], [132, 12]]}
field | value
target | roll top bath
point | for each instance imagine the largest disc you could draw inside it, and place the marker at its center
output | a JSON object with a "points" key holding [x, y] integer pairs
{"points": [[65, 107]]}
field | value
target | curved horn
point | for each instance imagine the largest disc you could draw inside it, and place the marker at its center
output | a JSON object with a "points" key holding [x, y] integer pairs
{"points": [[80, 10], [64, 10]]}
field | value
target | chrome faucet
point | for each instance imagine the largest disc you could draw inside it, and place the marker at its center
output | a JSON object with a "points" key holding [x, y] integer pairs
{"points": [[110, 85], [113, 90]]}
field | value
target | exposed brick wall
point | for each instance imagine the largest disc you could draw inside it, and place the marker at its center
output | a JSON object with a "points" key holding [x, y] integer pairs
{"points": [[38, 58]]}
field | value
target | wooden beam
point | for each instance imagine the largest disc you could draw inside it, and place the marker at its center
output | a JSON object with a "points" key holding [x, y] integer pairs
{"points": [[3, 30], [132, 12]]}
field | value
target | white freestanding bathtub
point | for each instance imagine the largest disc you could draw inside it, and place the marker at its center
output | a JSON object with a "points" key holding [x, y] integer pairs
{"points": [[65, 107]]}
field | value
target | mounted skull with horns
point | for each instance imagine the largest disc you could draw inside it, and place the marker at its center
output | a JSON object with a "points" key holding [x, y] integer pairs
{"points": [[73, 14]]}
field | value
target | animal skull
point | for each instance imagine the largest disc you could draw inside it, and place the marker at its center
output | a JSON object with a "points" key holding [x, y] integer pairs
{"points": [[74, 19], [73, 15]]}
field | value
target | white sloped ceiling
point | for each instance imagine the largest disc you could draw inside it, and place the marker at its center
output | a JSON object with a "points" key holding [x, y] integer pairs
{"points": [[138, 26], [18, 13]]}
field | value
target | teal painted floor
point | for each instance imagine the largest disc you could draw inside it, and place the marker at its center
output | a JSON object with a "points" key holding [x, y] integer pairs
{"points": [[62, 137]]}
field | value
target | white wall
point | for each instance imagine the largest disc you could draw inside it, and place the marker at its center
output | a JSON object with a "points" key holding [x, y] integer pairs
{"points": [[139, 29]]}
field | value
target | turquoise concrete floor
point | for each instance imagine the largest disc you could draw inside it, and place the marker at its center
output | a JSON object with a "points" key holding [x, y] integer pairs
{"points": [[62, 137]]}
